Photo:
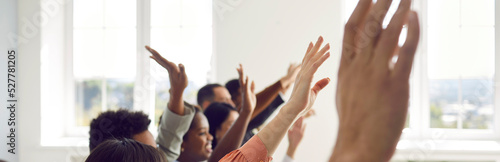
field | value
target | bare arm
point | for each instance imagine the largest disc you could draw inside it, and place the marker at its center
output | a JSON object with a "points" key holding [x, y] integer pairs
{"points": [[302, 99], [295, 135], [234, 136], [178, 81]]}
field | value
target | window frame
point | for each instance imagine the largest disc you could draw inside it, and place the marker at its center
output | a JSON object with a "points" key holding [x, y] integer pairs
{"points": [[144, 82], [143, 103], [419, 127]]}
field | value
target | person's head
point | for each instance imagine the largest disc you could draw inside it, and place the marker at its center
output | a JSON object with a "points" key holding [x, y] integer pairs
{"points": [[120, 124], [197, 142], [221, 117], [233, 86], [213, 93], [125, 150]]}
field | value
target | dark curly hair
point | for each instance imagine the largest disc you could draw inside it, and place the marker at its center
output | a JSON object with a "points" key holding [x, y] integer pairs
{"points": [[117, 124], [125, 150]]}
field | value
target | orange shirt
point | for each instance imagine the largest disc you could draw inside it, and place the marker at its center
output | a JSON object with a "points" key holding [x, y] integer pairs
{"points": [[253, 150]]}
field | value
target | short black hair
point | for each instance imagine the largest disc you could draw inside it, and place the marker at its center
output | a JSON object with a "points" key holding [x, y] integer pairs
{"points": [[216, 114], [232, 86], [117, 124], [207, 93], [125, 150]]}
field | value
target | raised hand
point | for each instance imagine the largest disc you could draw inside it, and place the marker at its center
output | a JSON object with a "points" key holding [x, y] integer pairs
{"points": [[302, 98], [302, 94], [372, 95], [234, 136], [247, 90], [290, 76], [178, 81], [295, 135]]}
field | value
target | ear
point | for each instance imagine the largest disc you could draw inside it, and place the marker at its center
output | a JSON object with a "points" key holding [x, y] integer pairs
{"points": [[205, 104], [182, 147]]}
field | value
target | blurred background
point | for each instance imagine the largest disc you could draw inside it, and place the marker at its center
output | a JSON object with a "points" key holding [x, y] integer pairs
{"points": [[81, 57]]}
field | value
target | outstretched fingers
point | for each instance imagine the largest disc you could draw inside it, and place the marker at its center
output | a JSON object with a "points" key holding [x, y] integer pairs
{"points": [[241, 76], [353, 24], [407, 51], [162, 61], [371, 30], [314, 50], [389, 38]]}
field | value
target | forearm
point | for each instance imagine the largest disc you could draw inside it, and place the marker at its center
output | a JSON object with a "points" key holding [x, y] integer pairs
{"points": [[266, 97], [176, 103], [233, 138], [272, 134]]}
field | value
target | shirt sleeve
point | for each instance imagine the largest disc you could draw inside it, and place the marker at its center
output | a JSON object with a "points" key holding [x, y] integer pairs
{"points": [[288, 159], [262, 117], [171, 130], [253, 150]]}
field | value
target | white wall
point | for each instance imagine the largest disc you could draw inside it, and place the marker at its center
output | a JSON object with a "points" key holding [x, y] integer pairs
{"points": [[40, 29], [265, 36]]}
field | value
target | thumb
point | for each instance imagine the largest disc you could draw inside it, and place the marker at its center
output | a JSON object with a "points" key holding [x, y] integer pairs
{"points": [[320, 85]]}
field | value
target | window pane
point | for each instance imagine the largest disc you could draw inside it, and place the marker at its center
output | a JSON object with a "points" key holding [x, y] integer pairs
{"points": [[120, 93], [182, 33], [461, 103], [120, 13], [196, 13], [199, 41], [120, 54], [478, 12], [167, 42], [443, 12], [88, 13], [461, 63], [478, 103], [161, 97], [165, 13], [88, 53], [444, 105], [88, 101]]}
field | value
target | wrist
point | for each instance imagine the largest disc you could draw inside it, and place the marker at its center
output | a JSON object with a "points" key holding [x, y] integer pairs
{"points": [[176, 92], [291, 151], [350, 149], [245, 109], [285, 81], [287, 114]]}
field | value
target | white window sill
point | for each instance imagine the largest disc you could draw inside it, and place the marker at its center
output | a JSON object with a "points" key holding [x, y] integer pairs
{"points": [[447, 150]]}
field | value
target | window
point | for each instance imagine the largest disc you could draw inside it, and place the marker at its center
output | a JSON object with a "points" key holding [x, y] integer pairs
{"points": [[452, 84], [461, 35], [104, 45], [111, 68], [181, 30]]}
